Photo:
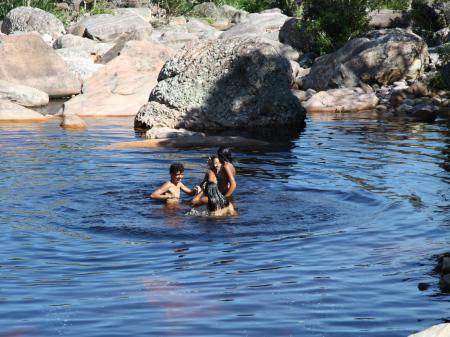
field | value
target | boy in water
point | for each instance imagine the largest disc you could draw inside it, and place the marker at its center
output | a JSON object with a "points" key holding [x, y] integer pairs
{"points": [[170, 191]]}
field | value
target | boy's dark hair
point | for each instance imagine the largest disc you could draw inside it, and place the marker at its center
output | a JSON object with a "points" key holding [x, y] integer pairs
{"points": [[224, 154], [176, 167]]}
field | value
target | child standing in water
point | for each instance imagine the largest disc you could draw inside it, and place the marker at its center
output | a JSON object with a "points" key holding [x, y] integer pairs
{"points": [[170, 191], [216, 202]]}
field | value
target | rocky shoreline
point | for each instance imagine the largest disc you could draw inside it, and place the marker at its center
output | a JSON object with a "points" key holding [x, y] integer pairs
{"points": [[219, 69]]}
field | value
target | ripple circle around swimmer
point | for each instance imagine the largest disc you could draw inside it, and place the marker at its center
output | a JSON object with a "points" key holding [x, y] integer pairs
{"points": [[336, 228]]}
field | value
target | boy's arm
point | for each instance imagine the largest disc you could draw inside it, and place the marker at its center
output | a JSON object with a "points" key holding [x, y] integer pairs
{"points": [[160, 193], [187, 190]]}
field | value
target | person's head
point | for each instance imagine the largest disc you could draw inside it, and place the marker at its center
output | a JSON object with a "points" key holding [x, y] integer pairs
{"points": [[214, 163], [176, 171], [224, 154]]}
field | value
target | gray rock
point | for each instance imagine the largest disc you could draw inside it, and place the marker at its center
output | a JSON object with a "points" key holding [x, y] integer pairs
{"points": [[206, 10], [294, 34], [93, 48], [144, 12], [440, 37], [224, 84], [22, 95], [232, 14], [177, 34], [387, 18], [382, 57], [28, 19], [79, 62], [107, 27], [264, 25]]}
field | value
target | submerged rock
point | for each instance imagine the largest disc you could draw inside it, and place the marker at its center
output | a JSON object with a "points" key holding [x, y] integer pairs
{"points": [[224, 84], [165, 132], [11, 112], [381, 57], [22, 95], [73, 122]]}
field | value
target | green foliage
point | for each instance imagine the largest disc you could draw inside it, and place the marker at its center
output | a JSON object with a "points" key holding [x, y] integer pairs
{"points": [[176, 7], [101, 7], [438, 83], [335, 22], [400, 5], [444, 53]]}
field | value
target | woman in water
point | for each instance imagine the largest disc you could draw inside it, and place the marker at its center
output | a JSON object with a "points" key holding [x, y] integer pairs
{"points": [[211, 196], [222, 167], [218, 205], [227, 173]]}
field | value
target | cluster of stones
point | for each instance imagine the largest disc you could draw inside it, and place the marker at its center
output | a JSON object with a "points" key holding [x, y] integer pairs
{"points": [[220, 68]]}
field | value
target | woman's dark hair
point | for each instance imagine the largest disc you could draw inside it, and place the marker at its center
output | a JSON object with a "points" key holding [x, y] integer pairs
{"points": [[224, 154], [216, 200]]}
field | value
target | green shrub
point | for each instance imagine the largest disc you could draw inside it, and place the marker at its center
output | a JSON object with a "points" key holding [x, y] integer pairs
{"points": [[335, 22], [400, 5]]}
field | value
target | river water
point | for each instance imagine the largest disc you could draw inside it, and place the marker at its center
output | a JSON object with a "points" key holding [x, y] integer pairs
{"points": [[336, 228]]}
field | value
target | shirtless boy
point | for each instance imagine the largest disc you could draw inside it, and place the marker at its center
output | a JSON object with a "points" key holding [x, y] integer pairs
{"points": [[170, 191]]}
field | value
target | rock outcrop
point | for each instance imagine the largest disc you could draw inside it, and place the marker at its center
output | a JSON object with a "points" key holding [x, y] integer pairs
{"points": [[28, 19], [22, 95], [341, 100], [11, 112], [27, 60], [264, 24], [242, 82], [73, 122], [122, 86], [382, 57], [108, 27]]}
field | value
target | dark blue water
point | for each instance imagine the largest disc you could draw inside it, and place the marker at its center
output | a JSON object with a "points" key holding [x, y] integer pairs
{"points": [[336, 228]]}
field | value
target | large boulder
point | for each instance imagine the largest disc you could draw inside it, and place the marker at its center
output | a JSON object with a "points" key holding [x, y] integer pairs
{"points": [[382, 57], [266, 24], [22, 95], [123, 85], [242, 82], [341, 100], [294, 33], [28, 19], [108, 27], [182, 30], [12, 112], [26, 59]]}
